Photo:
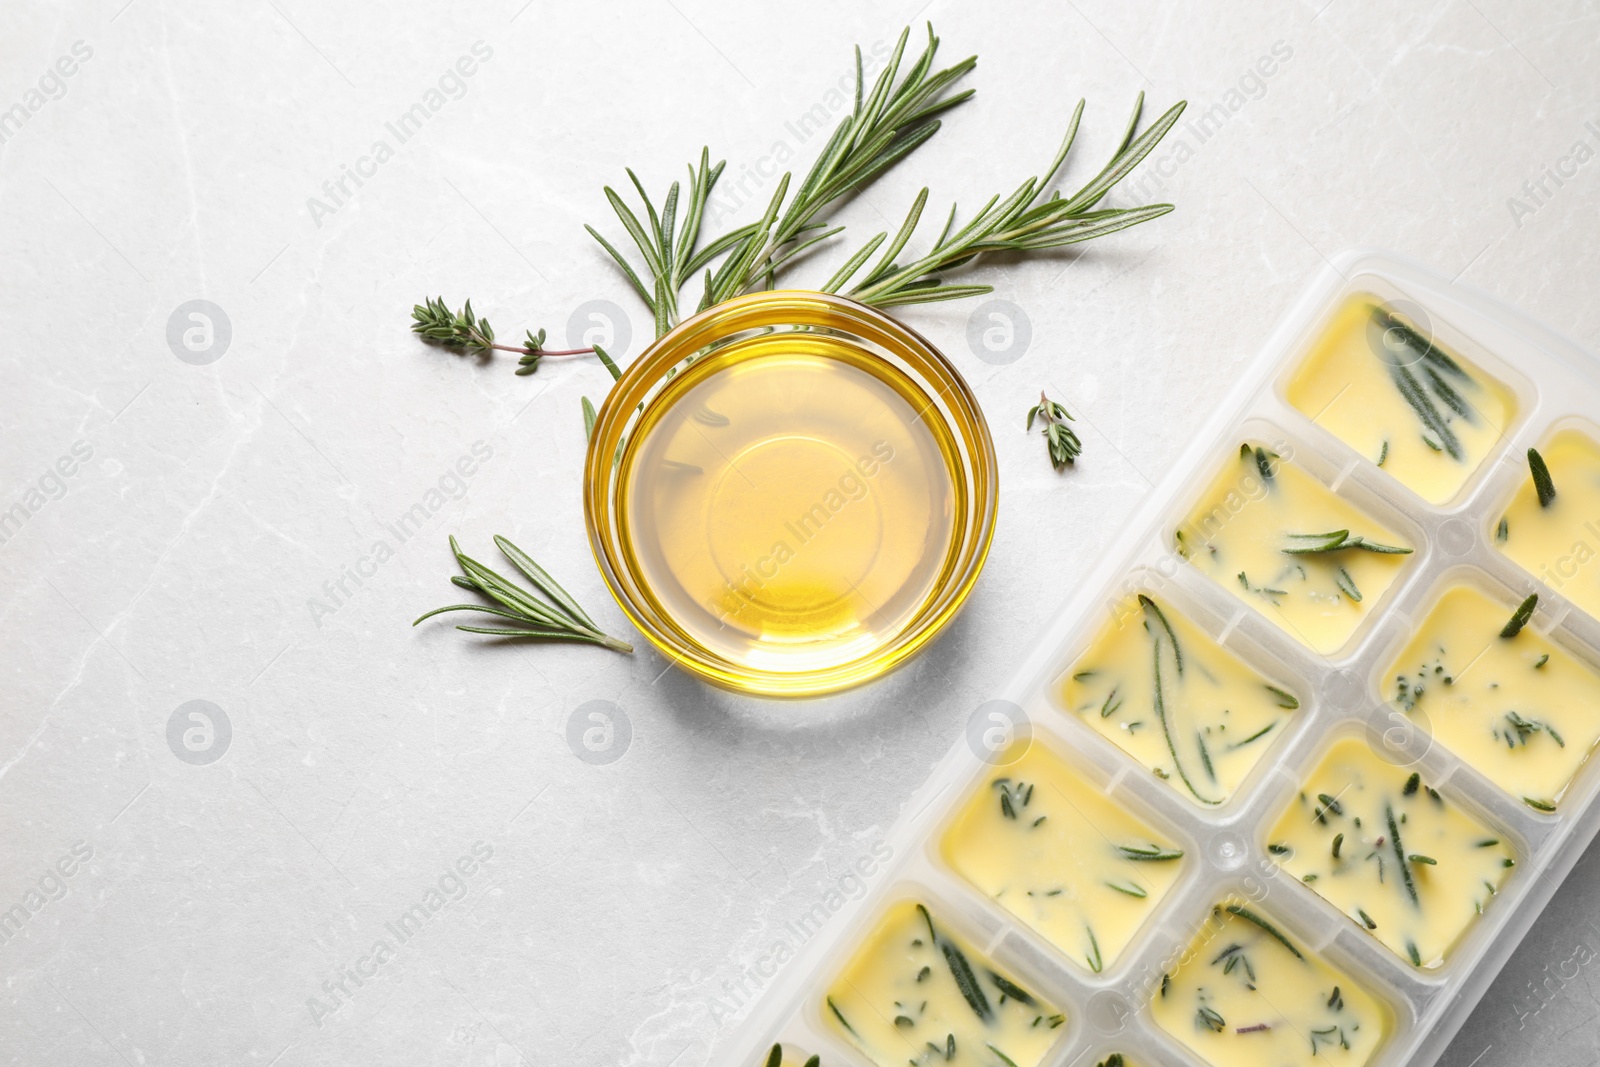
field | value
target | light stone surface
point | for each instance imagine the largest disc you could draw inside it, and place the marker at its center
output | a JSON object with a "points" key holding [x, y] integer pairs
{"points": [[192, 554]]}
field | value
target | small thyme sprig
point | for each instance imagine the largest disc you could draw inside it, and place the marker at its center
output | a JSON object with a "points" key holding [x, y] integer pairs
{"points": [[560, 620], [1063, 443], [435, 322]]}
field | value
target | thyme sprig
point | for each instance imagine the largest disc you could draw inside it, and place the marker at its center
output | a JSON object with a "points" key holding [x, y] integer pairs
{"points": [[462, 329], [1064, 445], [558, 619]]}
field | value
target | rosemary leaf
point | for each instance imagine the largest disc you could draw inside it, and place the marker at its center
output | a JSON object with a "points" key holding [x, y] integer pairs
{"points": [[1542, 483], [1520, 617], [1249, 916], [1347, 585], [588, 419], [1400, 855], [1010, 988], [1285, 699], [1152, 608], [966, 981], [1150, 852]]}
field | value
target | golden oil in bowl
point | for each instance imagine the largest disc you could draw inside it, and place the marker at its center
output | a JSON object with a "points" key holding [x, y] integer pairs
{"points": [[790, 493]]}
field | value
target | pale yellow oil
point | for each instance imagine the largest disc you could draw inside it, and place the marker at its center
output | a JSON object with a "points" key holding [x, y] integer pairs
{"points": [[1378, 842], [1518, 709], [1041, 841], [916, 992], [1199, 729], [1248, 994], [1351, 385], [1560, 541], [1248, 531], [790, 502]]}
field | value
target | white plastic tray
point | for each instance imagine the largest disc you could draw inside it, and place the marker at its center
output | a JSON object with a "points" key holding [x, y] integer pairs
{"points": [[1555, 384]]}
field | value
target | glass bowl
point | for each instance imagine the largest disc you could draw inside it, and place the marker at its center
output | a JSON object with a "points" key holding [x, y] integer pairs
{"points": [[790, 493]]}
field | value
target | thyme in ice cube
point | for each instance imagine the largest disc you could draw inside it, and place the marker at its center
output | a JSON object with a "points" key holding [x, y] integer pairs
{"points": [[559, 618]]}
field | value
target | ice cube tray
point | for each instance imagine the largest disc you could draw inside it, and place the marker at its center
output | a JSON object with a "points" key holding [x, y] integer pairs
{"points": [[1553, 386]]}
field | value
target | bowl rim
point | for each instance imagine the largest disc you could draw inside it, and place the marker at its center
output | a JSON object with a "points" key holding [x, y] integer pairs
{"points": [[641, 382]]}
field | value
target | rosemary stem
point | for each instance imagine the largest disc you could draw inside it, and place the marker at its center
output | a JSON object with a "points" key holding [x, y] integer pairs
{"points": [[613, 643]]}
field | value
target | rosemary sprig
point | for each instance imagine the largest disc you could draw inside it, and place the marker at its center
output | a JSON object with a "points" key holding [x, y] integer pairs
{"points": [[884, 126], [560, 620], [1064, 445], [1542, 482], [1025, 222]]}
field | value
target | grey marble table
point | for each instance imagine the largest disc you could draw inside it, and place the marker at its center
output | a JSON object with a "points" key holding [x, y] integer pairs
{"points": [[229, 474]]}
